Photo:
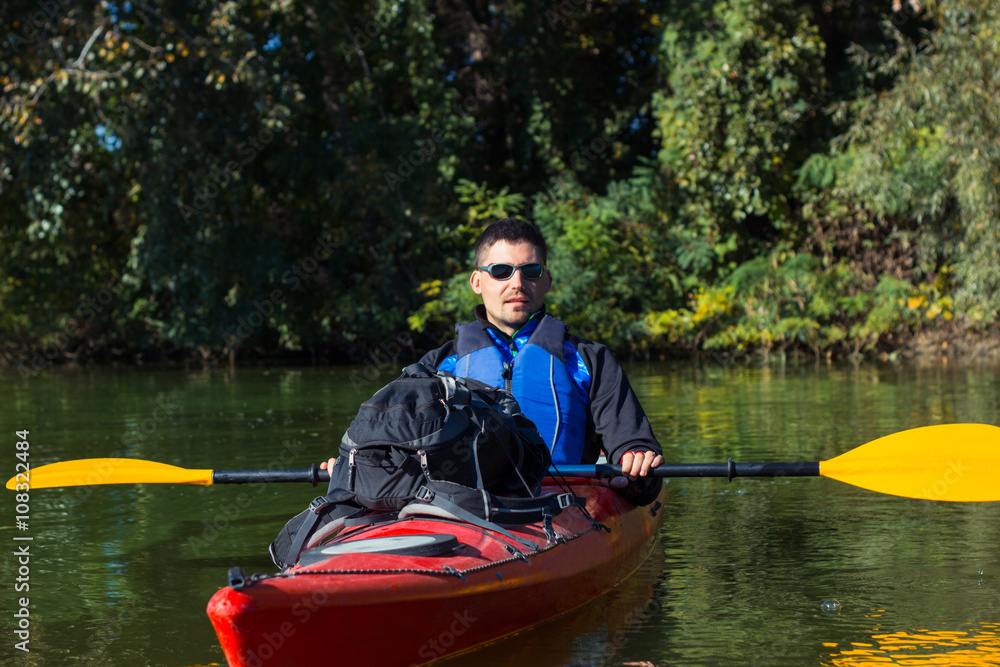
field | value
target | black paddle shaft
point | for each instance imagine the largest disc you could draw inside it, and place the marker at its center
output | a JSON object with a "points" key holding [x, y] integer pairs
{"points": [[311, 474], [729, 469]]}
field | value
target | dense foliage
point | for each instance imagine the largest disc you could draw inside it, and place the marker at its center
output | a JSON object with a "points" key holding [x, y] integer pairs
{"points": [[257, 178]]}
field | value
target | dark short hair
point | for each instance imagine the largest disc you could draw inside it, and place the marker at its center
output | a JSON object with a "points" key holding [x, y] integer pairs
{"points": [[511, 230]]}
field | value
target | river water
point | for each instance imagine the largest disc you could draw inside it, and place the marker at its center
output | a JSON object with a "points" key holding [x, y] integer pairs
{"points": [[793, 571]]}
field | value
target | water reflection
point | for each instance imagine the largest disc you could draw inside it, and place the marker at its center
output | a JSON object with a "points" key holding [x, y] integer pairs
{"points": [[976, 647]]}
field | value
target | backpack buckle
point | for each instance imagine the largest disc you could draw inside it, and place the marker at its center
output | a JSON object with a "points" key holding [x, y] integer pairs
{"points": [[564, 500], [424, 494], [318, 503]]}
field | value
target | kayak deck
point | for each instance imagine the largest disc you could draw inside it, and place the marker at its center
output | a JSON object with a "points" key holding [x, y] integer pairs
{"points": [[401, 609]]}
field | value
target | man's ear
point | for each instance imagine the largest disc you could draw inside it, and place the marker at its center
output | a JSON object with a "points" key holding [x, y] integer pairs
{"points": [[475, 280], [548, 280]]}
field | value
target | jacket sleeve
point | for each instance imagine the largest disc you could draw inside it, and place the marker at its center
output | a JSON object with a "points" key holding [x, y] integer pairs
{"points": [[618, 418], [617, 415]]}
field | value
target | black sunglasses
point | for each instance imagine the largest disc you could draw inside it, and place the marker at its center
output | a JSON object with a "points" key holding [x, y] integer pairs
{"points": [[531, 271]]}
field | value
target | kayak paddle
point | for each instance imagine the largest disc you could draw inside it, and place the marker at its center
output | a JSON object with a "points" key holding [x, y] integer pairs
{"points": [[89, 472], [948, 462]]}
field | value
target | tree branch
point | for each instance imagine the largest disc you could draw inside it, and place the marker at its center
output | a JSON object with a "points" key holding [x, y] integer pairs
{"points": [[86, 49]]}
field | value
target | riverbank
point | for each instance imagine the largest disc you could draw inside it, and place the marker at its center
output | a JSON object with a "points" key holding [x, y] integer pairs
{"points": [[929, 345]]}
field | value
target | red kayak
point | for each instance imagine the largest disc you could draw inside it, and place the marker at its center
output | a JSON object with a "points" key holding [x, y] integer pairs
{"points": [[415, 589]]}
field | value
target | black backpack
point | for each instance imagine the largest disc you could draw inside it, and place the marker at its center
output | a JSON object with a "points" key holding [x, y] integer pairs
{"points": [[430, 438]]}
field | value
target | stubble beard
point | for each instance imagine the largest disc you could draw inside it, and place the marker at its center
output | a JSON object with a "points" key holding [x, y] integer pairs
{"points": [[515, 317]]}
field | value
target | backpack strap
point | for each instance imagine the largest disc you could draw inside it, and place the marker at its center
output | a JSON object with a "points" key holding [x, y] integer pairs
{"points": [[334, 507], [456, 387], [444, 502], [532, 510], [489, 511]]}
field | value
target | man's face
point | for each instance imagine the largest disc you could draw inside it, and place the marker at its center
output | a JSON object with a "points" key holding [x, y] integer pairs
{"points": [[509, 303]]}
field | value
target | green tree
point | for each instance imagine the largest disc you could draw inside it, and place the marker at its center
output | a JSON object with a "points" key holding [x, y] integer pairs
{"points": [[735, 120], [922, 157]]}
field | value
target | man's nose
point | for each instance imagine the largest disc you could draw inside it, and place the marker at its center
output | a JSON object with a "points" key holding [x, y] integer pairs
{"points": [[517, 280]]}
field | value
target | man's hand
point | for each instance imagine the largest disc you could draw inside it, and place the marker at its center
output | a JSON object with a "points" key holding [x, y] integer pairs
{"points": [[635, 465], [328, 465]]}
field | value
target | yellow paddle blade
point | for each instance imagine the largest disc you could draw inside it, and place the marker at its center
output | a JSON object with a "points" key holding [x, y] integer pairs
{"points": [[950, 462], [85, 472]]}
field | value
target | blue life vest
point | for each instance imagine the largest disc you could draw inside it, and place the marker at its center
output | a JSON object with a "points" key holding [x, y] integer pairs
{"points": [[542, 370]]}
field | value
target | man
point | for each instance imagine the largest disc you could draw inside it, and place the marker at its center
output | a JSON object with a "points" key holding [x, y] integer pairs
{"points": [[573, 389]]}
